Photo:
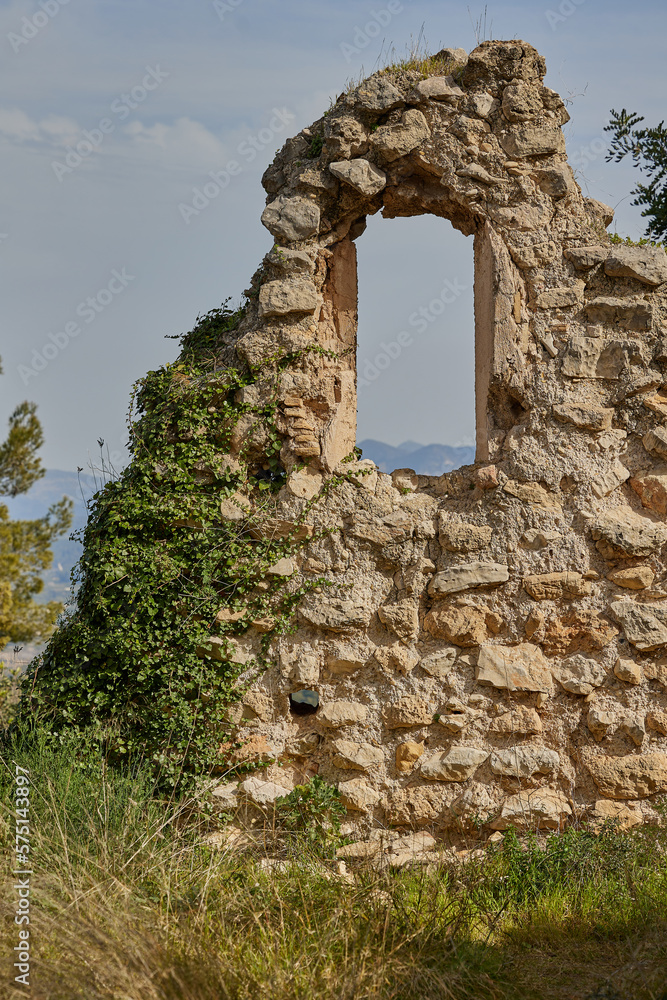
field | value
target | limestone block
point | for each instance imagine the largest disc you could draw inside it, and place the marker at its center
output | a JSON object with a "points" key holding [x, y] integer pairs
{"points": [[365, 177], [458, 764], [476, 801], [536, 538], [633, 726], [514, 668], [421, 804], [533, 494], [401, 618], [225, 796], [635, 578], [590, 418], [584, 258], [459, 536], [345, 659], [358, 794], [377, 95], [534, 255], [557, 181], [408, 711], [359, 756], [235, 507], [633, 534], [532, 140], [459, 578], [342, 713], [580, 630], [610, 480], [305, 484], [524, 761], [280, 298], [361, 849], [284, 567], [541, 808], [291, 219], [623, 817], [556, 586], [394, 141], [305, 670], [439, 88], [487, 478], [405, 480], [335, 615], [632, 777], [645, 625], [521, 102], [629, 314], [579, 675], [561, 298], [651, 488], [440, 664], [592, 357], [600, 721], [344, 137], [655, 441], [657, 720], [477, 173], [407, 755], [646, 264], [483, 104], [262, 793], [521, 721], [397, 657], [464, 626], [291, 262]]}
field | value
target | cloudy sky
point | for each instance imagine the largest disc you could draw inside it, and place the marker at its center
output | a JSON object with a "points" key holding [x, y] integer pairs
{"points": [[101, 259]]}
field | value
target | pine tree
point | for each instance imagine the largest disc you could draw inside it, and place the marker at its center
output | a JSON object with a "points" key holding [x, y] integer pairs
{"points": [[648, 149], [25, 546]]}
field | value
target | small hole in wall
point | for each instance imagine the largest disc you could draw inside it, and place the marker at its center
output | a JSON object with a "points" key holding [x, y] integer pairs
{"points": [[304, 702]]}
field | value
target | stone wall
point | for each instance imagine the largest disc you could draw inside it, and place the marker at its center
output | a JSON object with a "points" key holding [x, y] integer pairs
{"points": [[489, 646]]}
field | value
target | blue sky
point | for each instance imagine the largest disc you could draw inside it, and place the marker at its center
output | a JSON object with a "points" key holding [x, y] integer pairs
{"points": [[217, 77]]}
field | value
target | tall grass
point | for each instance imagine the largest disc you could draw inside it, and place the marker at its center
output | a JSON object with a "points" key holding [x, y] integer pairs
{"points": [[131, 903]]}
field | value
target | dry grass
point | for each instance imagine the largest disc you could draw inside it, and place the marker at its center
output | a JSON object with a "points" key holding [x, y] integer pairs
{"points": [[130, 904]]}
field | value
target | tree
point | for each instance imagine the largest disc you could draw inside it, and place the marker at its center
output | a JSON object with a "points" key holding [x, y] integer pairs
{"points": [[25, 546], [648, 149]]}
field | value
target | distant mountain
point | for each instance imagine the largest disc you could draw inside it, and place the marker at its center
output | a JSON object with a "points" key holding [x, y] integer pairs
{"points": [[426, 460], [35, 503]]}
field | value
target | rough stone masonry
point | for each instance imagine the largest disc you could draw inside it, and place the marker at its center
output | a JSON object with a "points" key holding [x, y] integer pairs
{"points": [[493, 647]]}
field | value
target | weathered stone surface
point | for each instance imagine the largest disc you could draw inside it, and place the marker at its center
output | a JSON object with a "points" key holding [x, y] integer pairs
{"points": [[342, 713], [634, 578], [633, 726], [417, 805], [284, 567], [397, 657], [631, 315], [405, 480], [593, 357], [401, 618], [632, 777], [279, 298], [360, 756], [235, 507], [623, 817], [543, 808], [439, 664], [633, 534], [655, 441], [609, 480], [524, 761], [600, 722], [439, 88], [393, 141], [556, 586], [291, 262], [487, 478], [521, 721], [465, 626], [628, 671], [645, 625], [305, 483], [646, 264], [408, 711], [560, 298], [335, 615], [530, 140], [345, 659], [458, 764], [533, 494], [580, 630], [657, 720], [536, 538], [579, 675], [590, 418], [407, 755], [377, 95], [358, 794], [291, 219], [458, 578], [584, 258], [262, 793], [514, 668], [365, 177], [651, 488], [458, 536]]}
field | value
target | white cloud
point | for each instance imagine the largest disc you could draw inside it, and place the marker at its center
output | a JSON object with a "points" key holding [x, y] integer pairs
{"points": [[56, 130], [183, 141]]}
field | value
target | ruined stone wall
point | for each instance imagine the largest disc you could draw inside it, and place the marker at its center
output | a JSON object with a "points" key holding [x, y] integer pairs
{"points": [[490, 646]]}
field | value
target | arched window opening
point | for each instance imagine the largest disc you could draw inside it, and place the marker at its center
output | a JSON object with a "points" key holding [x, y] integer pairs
{"points": [[304, 702], [416, 351]]}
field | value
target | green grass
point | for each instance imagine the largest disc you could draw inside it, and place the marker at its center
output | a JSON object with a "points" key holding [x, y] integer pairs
{"points": [[130, 902]]}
